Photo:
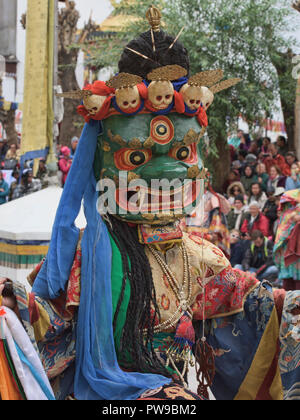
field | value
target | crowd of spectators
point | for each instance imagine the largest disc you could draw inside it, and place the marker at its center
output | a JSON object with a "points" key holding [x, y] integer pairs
{"points": [[261, 171], [23, 181]]}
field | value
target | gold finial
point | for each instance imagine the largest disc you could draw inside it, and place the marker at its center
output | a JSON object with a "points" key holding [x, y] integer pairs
{"points": [[154, 17]]}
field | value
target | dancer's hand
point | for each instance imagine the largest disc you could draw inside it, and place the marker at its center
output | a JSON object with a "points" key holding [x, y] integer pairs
{"points": [[9, 300]]}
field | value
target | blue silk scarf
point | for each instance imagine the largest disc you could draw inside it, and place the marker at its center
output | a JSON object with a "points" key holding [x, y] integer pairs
{"points": [[97, 373]]}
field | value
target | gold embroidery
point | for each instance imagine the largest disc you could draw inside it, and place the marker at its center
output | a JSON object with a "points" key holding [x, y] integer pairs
{"points": [[176, 391]]}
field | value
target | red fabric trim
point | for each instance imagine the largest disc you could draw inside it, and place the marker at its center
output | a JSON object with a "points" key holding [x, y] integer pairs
{"points": [[143, 90], [99, 88], [179, 103], [202, 117], [82, 111], [101, 114], [32, 309]]}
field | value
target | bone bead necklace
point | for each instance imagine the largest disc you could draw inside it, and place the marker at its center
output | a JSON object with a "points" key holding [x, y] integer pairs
{"points": [[183, 293]]}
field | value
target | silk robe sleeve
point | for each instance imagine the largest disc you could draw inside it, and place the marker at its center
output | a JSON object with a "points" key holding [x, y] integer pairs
{"points": [[257, 350], [51, 327]]}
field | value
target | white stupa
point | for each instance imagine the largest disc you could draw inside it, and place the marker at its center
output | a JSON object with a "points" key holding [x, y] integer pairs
{"points": [[25, 232]]}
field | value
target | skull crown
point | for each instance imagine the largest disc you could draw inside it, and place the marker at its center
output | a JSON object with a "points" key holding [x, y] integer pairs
{"points": [[161, 94], [207, 97], [93, 103], [128, 98], [191, 96]]}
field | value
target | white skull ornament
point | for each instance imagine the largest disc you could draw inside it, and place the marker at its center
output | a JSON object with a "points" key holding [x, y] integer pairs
{"points": [[207, 97], [93, 103], [160, 94], [128, 97], [191, 95]]}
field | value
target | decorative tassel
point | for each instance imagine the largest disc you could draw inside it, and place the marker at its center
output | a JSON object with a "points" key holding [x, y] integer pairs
{"points": [[205, 358], [181, 349]]}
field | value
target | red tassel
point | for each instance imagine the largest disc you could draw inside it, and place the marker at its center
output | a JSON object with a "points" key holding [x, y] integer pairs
{"points": [[205, 367], [185, 331], [179, 103], [82, 111], [202, 117], [143, 90], [181, 348]]}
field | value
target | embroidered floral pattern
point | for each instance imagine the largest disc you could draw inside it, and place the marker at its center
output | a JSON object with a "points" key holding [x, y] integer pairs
{"points": [[165, 302]]}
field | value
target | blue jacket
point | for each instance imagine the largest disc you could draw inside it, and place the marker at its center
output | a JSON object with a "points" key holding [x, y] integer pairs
{"points": [[291, 184], [3, 194]]}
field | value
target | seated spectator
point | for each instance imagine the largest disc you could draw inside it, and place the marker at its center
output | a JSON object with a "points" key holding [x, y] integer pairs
{"points": [[65, 163], [58, 150], [293, 181], [12, 153], [4, 189], [263, 151], [290, 158], [251, 160], [42, 173], [275, 178], [242, 158], [235, 217], [275, 159], [236, 166], [270, 209], [234, 140], [245, 142], [258, 258], [256, 194], [255, 220], [3, 150], [236, 189], [238, 248], [15, 174], [278, 193], [253, 149], [28, 185], [248, 178], [233, 176], [74, 143], [282, 145], [262, 176]]}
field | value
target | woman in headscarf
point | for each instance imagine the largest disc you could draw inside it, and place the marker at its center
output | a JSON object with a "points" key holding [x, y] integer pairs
{"points": [[236, 189]]}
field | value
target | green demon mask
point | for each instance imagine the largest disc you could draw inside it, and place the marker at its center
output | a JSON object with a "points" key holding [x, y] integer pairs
{"points": [[148, 167]]}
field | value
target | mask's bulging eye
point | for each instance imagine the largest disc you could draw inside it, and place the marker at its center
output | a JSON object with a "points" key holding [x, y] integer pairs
{"points": [[187, 154], [137, 158], [161, 130], [183, 153], [129, 159]]}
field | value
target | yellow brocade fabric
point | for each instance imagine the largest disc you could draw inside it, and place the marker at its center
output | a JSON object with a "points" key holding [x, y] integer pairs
{"points": [[38, 108]]}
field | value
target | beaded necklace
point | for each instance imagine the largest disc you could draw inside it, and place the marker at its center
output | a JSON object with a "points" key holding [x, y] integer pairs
{"points": [[181, 349], [183, 293]]}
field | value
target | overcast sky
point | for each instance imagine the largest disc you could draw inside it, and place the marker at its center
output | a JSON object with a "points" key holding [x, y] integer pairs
{"points": [[100, 8]]}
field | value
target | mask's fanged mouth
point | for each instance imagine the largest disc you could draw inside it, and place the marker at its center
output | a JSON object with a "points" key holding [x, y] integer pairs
{"points": [[148, 200]]}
